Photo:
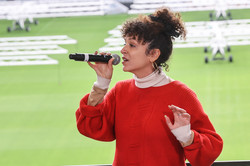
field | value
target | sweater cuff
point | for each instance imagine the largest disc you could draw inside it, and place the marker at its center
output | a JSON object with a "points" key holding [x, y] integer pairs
{"points": [[102, 83], [197, 143], [88, 110]]}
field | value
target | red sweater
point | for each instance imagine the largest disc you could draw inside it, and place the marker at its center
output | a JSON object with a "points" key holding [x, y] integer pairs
{"points": [[134, 117]]}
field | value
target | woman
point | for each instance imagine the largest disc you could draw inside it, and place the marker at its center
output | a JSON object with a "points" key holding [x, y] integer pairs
{"points": [[155, 120]]}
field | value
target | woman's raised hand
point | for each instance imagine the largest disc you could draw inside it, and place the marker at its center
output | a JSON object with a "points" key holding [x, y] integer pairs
{"points": [[181, 126], [104, 70], [181, 118]]}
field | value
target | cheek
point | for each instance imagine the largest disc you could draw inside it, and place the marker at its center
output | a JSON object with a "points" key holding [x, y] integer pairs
{"points": [[143, 59], [140, 62]]}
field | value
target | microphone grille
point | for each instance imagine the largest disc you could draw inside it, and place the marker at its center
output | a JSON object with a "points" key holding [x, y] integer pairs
{"points": [[117, 59]]}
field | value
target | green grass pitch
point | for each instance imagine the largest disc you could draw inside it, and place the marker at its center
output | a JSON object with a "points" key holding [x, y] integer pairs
{"points": [[38, 103]]}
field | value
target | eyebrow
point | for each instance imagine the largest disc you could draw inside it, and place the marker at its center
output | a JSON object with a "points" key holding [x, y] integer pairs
{"points": [[131, 38]]}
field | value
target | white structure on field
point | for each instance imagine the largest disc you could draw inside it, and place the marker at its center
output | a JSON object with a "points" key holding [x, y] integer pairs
{"points": [[199, 34], [31, 50]]}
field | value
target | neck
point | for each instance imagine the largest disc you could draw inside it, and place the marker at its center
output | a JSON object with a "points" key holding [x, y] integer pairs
{"points": [[144, 73], [153, 79]]}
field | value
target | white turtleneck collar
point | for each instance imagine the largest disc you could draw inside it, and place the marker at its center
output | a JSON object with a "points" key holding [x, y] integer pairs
{"points": [[155, 79]]}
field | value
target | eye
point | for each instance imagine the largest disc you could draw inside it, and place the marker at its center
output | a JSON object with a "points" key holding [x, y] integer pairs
{"points": [[131, 45]]}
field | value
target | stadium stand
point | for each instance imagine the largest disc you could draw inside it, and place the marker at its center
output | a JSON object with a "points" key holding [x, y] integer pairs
{"points": [[55, 8], [148, 6], [25, 11]]}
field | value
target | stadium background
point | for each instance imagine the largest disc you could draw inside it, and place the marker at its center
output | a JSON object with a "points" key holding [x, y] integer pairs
{"points": [[38, 103]]}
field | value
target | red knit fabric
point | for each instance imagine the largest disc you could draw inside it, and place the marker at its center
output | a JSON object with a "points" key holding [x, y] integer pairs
{"points": [[134, 117]]}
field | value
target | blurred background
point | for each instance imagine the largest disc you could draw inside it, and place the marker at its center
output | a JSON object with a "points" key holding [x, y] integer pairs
{"points": [[40, 88]]}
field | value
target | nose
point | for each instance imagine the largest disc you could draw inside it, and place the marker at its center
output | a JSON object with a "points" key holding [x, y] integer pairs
{"points": [[123, 50]]}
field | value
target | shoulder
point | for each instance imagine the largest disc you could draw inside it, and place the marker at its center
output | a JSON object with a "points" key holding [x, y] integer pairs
{"points": [[182, 88], [122, 86], [125, 83], [187, 99]]}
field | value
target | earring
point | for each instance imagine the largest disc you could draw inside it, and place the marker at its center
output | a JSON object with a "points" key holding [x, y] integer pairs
{"points": [[155, 66]]}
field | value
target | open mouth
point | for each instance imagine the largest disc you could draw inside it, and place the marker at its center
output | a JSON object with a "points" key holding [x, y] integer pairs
{"points": [[124, 59]]}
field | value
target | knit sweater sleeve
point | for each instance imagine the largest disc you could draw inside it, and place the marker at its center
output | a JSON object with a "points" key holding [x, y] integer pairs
{"points": [[97, 122], [207, 144]]}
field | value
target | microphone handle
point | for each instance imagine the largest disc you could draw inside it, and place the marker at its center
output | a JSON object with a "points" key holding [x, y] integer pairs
{"points": [[99, 58], [90, 57]]}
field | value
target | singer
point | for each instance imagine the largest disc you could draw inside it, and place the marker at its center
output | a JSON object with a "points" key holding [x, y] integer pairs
{"points": [[155, 120]]}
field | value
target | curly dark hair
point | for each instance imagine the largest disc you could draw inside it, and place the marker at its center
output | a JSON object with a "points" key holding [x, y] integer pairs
{"points": [[158, 29]]}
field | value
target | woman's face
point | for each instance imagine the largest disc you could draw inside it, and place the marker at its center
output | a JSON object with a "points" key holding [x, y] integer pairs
{"points": [[135, 59]]}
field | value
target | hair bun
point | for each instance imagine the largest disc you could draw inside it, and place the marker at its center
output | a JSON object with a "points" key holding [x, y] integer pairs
{"points": [[171, 22]]}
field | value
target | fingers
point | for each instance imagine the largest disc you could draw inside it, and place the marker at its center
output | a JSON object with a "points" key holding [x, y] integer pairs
{"points": [[102, 53], [102, 69], [179, 112], [105, 53], [181, 117], [176, 109], [185, 115]]}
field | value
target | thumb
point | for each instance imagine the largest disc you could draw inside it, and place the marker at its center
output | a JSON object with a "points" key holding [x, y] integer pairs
{"points": [[169, 123], [91, 65]]}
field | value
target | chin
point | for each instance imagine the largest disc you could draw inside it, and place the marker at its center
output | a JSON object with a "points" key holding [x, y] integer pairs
{"points": [[124, 69], [128, 68]]}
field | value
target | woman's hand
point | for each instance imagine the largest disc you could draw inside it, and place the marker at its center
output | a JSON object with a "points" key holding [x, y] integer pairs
{"points": [[181, 127], [181, 118], [104, 70]]}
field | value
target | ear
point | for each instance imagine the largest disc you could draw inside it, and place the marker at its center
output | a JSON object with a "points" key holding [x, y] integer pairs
{"points": [[154, 54]]}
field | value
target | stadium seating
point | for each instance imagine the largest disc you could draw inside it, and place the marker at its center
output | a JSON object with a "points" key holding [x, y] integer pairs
{"points": [[22, 12], [148, 6], [13, 10]]}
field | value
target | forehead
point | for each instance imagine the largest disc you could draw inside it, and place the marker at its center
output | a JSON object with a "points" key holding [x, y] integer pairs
{"points": [[130, 38], [133, 39]]}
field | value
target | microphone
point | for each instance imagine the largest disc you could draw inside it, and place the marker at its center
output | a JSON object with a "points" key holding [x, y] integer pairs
{"points": [[95, 58]]}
